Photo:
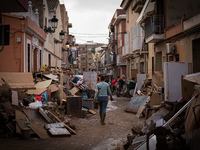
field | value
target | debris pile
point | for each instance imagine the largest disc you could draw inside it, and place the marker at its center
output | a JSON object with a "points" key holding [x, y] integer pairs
{"points": [[168, 125], [42, 105]]}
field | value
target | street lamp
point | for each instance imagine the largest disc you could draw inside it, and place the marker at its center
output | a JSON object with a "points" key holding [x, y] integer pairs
{"points": [[54, 22], [62, 35], [67, 45]]}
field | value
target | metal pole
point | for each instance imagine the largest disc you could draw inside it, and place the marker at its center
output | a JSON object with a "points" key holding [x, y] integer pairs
{"points": [[178, 113]]}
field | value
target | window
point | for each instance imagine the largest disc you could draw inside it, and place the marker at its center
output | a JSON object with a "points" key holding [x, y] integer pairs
{"points": [[83, 49], [90, 53], [83, 59], [40, 59], [83, 54], [89, 49], [89, 64], [89, 59], [45, 23], [29, 57]]}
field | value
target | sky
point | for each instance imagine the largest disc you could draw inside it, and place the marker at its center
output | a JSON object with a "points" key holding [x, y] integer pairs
{"points": [[90, 18]]}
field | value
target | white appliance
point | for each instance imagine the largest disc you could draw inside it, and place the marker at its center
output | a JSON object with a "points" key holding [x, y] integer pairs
{"points": [[172, 79]]}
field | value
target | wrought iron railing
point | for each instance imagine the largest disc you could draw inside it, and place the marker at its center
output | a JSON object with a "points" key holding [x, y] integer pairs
{"points": [[154, 25]]}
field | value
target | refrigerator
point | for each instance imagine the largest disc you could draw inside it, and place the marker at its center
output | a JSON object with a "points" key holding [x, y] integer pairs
{"points": [[172, 80]]}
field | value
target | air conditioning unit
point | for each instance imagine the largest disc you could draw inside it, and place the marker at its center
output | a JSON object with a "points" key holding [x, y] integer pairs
{"points": [[171, 48]]}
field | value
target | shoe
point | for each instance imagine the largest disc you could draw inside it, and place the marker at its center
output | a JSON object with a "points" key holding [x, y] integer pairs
{"points": [[103, 118]]}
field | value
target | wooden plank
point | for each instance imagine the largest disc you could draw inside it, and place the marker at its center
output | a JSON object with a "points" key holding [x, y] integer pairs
{"points": [[92, 112], [74, 90], [51, 76], [53, 88], [42, 112], [34, 116], [39, 130], [43, 84], [138, 115], [61, 87], [15, 100], [37, 91], [17, 79], [20, 118], [7, 106], [66, 126]]}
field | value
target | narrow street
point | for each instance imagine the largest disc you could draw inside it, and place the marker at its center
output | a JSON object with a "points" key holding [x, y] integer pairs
{"points": [[91, 135]]}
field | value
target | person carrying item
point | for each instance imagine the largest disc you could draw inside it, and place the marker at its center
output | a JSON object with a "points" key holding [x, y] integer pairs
{"points": [[101, 93]]}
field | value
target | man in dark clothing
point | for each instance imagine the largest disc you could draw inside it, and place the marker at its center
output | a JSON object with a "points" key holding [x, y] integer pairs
{"points": [[132, 84]]}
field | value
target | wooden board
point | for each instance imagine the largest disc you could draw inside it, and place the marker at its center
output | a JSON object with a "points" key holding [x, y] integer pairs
{"points": [[37, 91], [51, 76], [138, 115], [92, 112], [53, 88], [17, 79], [43, 84], [8, 108], [74, 90], [15, 100], [34, 116], [20, 118], [39, 130]]}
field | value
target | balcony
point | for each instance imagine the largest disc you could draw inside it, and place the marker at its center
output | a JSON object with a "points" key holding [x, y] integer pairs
{"points": [[174, 31], [112, 59], [154, 29], [138, 5], [120, 61]]}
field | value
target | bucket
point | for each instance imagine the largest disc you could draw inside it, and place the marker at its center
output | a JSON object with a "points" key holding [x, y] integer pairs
{"points": [[26, 133]]}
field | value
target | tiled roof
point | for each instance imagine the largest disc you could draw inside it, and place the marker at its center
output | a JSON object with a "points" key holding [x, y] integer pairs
{"points": [[52, 4]]}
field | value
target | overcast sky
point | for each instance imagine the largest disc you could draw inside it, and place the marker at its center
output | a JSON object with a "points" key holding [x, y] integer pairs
{"points": [[90, 17]]}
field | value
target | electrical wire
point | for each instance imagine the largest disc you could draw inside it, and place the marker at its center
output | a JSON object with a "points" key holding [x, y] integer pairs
{"points": [[88, 33]]}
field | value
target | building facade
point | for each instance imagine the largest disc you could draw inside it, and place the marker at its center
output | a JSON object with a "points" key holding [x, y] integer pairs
{"points": [[85, 54]]}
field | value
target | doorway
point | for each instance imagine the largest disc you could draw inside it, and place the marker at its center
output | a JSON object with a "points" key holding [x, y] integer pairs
{"points": [[35, 59], [196, 55]]}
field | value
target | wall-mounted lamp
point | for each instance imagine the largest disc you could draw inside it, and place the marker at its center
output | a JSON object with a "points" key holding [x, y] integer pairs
{"points": [[67, 44], [62, 35], [54, 22], [57, 41]]}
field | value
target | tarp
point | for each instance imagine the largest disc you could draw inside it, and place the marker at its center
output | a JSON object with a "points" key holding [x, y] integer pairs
{"points": [[136, 103]]}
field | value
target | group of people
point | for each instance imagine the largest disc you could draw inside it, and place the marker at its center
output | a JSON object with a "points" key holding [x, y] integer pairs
{"points": [[103, 90]]}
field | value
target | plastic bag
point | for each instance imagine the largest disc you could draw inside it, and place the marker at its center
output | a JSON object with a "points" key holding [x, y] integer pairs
{"points": [[35, 105]]}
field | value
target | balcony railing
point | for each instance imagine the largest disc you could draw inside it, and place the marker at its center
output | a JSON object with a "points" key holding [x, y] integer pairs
{"points": [[112, 59], [154, 25]]}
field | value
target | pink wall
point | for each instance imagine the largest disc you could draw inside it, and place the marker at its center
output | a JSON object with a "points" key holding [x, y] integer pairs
{"points": [[12, 56]]}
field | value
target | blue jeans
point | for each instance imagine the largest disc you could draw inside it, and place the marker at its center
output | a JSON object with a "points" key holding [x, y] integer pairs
{"points": [[103, 101]]}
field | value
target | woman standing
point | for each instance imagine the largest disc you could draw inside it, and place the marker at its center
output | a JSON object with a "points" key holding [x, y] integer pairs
{"points": [[101, 93]]}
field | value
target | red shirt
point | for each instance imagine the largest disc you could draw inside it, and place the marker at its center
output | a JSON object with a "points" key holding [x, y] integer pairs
{"points": [[113, 82]]}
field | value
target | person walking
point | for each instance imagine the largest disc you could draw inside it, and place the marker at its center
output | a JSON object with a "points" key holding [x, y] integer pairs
{"points": [[101, 93]]}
